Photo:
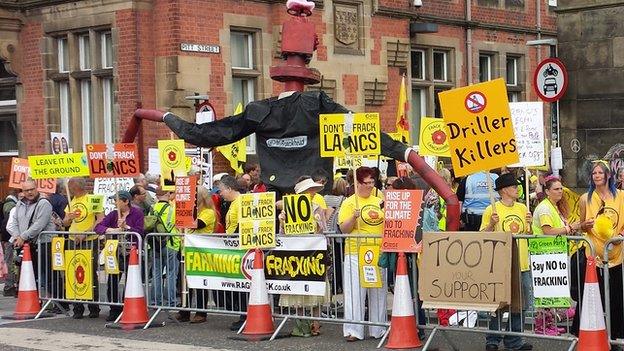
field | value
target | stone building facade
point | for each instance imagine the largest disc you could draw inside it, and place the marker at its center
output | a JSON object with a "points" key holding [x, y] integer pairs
{"points": [[591, 44], [82, 67]]}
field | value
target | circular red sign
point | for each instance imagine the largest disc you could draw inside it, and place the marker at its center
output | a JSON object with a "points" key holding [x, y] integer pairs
{"points": [[550, 80], [475, 102]]}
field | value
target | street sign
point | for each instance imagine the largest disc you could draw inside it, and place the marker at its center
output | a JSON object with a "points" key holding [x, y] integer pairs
{"points": [[550, 80]]}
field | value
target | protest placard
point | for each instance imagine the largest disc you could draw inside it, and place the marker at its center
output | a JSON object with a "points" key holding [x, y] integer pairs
{"points": [[186, 202], [172, 162], [363, 130], [256, 220], [481, 134], [528, 123], [108, 187], [125, 162], [58, 166], [465, 270], [96, 203], [433, 139], [79, 276], [401, 216], [549, 271], [59, 143], [299, 218], [297, 266], [19, 173]]}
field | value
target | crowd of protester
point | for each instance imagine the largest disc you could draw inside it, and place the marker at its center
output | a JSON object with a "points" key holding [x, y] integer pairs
{"points": [[146, 208]]}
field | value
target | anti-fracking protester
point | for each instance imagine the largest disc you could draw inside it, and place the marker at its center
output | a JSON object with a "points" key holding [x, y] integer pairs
{"points": [[59, 198], [361, 213], [244, 183], [334, 201], [10, 287], [474, 197], [602, 215], [153, 182], [252, 169], [139, 199], [620, 178], [143, 181], [125, 219], [514, 217], [305, 185], [80, 218]]}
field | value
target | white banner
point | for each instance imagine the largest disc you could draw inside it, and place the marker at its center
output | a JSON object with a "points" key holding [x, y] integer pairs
{"points": [[528, 123], [550, 275], [107, 186]]}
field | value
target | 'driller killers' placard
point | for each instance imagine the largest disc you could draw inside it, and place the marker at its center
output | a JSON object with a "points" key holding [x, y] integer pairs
{"points": [[125, 160]]}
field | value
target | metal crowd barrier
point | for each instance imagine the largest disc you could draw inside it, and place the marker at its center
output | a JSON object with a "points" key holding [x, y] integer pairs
{"points": [[613, 299], [107, 289]]}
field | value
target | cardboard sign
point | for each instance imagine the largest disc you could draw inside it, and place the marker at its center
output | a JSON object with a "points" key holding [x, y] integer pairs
{"points": [[19, 173], [528, 123], [356, 134], [107, 187], [299, 215], [465, 270], [481, 133], [433, 139], [125, 161], [79, 275], [549, 271], [186, 202], [256, 220], [401, 216], [172, 162], [59, 143], [58, 166]]}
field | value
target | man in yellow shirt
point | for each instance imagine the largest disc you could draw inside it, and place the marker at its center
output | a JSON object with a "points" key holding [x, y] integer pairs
{"points": [[510, 216], [81, 218]]}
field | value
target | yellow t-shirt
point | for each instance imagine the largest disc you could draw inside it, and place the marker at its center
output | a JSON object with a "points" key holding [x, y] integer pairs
{"points": [[208, 216], [319, 200], [231, 217], [512, 220], [370, 220], [86, 217], [614, 210]]}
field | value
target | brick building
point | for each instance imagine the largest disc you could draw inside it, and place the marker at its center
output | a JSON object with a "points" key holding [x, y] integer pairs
{"points": [[82, 67]]}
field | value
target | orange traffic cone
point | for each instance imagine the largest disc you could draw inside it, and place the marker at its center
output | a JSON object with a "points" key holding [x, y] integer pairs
{"points": [[592, 331], [28, 304], [134, 313], [259, 317], [403, 326]]}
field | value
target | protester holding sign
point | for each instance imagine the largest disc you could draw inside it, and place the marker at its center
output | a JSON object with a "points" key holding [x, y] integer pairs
{"points": [[602, 213], [361, 213], [514, 217]]}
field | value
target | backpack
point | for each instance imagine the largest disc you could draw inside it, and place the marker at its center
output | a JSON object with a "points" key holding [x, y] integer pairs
{"points": [[4, 219], [154, 220]]}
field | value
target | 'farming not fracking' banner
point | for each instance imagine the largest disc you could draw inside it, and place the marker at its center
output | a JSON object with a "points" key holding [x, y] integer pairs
{"points": [[297, 266]]}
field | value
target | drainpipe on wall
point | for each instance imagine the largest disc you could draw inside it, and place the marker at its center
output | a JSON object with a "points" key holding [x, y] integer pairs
{"points": [[469, 42], [538, 16]]}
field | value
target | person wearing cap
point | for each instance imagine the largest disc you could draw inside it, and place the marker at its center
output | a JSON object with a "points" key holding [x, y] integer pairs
{"points": [[361, 213], [508, 215], [126, 218], [80, 218]]}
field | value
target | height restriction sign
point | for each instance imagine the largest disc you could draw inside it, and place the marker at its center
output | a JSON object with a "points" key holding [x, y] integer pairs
{"points": [[550, 80]]}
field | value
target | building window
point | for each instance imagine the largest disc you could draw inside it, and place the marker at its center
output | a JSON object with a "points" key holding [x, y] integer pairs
{"points": [[84, 52], [485, 68], [514, 78], [513, 96], [106, 46], [242, 50], [107, 99], [511, 73], [86, 112], [63, 55], [418, 110], [8, 111], [440, 66], [65, 108], [418, 64]]}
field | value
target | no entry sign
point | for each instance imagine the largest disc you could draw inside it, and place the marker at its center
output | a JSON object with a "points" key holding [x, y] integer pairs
{"points": [[550, 80]]}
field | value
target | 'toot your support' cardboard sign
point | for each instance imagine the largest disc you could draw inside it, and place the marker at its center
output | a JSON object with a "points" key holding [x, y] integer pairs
{"points": [[481, 133], [466, 270]]}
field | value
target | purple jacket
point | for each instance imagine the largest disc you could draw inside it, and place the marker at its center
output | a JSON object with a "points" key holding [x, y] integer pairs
{"points": [[134, 220]]}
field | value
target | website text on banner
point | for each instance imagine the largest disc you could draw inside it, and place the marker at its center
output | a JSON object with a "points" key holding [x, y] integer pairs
{"points": [[481, 133], [124, 162], [58, 166], [401, 217], [20, 171], [297, 266], [549, 271], [466, 270], [256, 220], [363, 130]]}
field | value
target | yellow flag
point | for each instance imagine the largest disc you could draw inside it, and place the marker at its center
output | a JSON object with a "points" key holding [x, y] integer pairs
{"points": [[402, 122], [236, 151]]}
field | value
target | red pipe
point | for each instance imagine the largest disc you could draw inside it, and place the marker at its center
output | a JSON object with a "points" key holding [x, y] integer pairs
{"points": [[135, 122], [439, 185]]}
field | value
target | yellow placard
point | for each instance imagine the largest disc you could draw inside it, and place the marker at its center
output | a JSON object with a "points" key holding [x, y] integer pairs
{"points": [[58, 254], [256, 206], [433, 139], [58, 166], [481, 134], [364, 139], [111, 265], [172, 162], [257, 234], [299, 216], [78, 275], [96, 203], [348, 162], [368, 258]]}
